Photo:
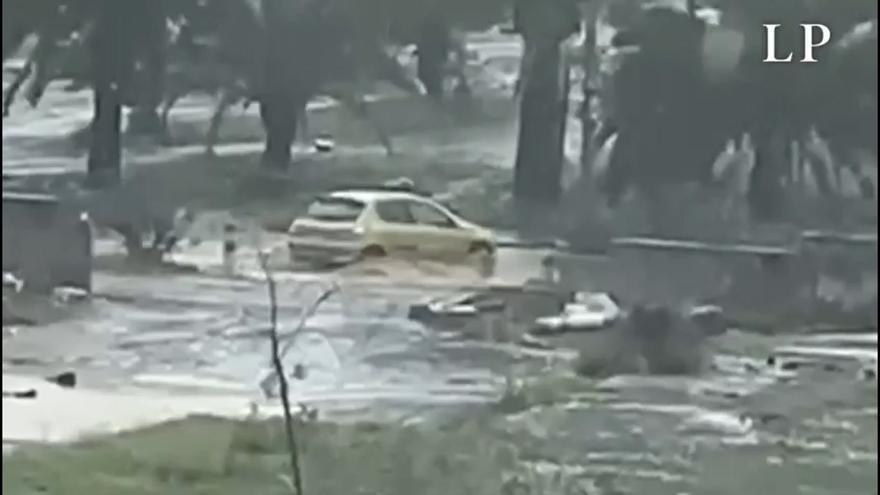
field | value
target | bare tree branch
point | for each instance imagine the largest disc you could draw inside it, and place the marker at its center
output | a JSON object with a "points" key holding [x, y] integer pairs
{"points": [[12, 91], [279, 372], [307, 314]]}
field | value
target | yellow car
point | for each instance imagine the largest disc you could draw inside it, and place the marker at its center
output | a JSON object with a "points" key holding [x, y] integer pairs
{"points": [[349, 225]]}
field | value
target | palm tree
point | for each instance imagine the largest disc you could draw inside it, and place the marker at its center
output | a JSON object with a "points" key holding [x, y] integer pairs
{"points": [[674, 118]]}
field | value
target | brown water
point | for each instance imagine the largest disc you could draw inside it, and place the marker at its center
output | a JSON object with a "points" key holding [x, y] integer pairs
{"points": [[740, 428]]}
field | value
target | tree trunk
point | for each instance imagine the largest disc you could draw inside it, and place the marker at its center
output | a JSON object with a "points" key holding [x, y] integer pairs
{"points": [[588, 123], [287, 77], [150, 84], [562, 122], [433, 51], [111, 57], [766, 189], [279, 112], [538, 167], [104, 163]]}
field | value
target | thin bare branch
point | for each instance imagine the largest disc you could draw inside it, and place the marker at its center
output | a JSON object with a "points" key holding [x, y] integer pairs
{"points": [[292, 447], [12, 91], [306, 315]]}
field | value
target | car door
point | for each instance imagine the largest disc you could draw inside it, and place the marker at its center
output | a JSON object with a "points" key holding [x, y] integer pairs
{"points": [[396, 232], [440, 235]]}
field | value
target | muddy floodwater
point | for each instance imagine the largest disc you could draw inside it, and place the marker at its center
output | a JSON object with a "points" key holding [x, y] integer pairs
{"points": [[807, 425]]}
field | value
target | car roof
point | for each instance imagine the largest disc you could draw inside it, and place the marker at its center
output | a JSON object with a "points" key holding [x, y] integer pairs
{"points": [[373, 195]]}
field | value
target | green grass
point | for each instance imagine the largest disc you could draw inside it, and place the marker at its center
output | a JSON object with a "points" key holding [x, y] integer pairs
{"points": [[209, 456], [470, 453]]}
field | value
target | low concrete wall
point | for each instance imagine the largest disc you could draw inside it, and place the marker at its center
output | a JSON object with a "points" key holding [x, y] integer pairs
{"points": [[845, 267], [44, 243], [772, 280], [676, 272]]}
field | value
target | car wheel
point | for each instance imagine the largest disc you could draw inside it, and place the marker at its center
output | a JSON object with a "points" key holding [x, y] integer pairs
{"points": [[373, 252], [481, 248], [484, 255]]}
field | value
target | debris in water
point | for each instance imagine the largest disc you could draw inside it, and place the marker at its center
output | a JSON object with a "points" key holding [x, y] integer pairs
{"points": [[10, 281], [590, 311], [66, 295], [299, 371], [533, 342], [66, 379], [868, 374], [230, 246], [324, 144], [182, 223], [402, 183], [20, 394], [710, 318], [10, 319]]}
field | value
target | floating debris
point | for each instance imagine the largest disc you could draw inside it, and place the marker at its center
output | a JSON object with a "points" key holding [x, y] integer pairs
{"points": [[66, 379], [589, 311], [10, 281], [324, 144], [67, 295], [20, 394]]}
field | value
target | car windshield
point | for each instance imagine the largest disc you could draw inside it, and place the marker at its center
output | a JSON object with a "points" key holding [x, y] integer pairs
{"points": [[335, 209]]}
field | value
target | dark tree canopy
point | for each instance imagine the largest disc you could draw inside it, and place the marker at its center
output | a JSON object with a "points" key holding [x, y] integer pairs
{"points": [[673, 119]]}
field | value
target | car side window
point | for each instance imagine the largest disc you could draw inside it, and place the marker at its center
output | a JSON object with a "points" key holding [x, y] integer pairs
{"points": [[394, 212], [425, 214]]}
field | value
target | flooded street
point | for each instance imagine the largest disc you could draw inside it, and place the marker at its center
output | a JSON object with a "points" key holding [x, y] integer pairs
{"points": [[782, 414], [810, 428]]}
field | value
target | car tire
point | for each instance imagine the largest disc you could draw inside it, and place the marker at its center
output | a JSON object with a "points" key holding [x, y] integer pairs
{"points": [[480, 248], [485, 258], [373, 252]]}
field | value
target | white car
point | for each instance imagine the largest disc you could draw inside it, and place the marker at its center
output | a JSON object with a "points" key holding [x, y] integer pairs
{"points": [[352, 224]]}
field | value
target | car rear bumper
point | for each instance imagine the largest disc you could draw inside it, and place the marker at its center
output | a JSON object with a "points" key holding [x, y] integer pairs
{"points": [[323, 251]]}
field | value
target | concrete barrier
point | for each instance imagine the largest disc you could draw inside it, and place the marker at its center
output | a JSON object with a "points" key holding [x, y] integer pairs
{"points": [[673, 272], [844, 265], [819, 267], [45, 244]]}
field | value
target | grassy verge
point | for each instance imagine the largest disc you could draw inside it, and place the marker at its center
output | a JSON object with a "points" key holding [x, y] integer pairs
{"points": [[470, 452], [214, 456]]}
